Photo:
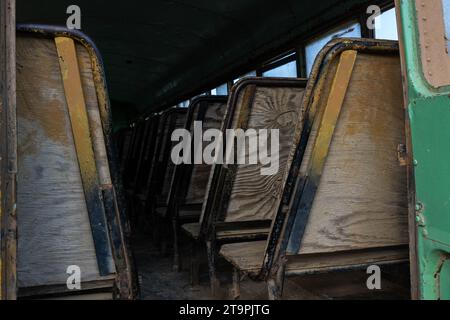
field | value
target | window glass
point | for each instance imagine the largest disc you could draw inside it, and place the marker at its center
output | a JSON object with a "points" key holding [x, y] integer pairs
{"points": [[221, 90], [250, 74], [286, 70], [183, 104], [446, 13], [314, 47], [386, 25]]}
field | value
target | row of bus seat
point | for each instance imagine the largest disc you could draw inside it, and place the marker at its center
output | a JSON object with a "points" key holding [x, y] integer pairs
{"points": [[338, 200]]}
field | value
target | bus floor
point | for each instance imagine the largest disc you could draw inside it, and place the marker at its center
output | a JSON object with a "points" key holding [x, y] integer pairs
{"points": [[157, 281]]}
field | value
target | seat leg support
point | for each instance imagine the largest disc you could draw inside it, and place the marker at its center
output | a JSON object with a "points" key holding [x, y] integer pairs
{"points": [[275, 283], [195, 264], [214, 281], [236, 289], [176, 250]]}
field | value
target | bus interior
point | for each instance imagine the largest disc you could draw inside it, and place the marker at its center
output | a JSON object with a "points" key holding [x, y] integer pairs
{"points": [[100, 111]]}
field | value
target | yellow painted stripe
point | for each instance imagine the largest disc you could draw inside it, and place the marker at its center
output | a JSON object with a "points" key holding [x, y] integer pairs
{"points": [[79, 120], [332, 110], [77, 108]]}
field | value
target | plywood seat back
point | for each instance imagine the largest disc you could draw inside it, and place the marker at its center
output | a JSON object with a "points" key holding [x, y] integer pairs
{"points": [[137, 146], [162, 169], [350, 193], [137, 137], [123, 140], [189, 182], [241, 193], [163, 164], [345, 200], [361, 201], [148, 150], [66, 167]]}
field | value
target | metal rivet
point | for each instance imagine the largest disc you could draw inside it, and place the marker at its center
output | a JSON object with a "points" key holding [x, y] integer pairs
{"points": [[419, 206]]}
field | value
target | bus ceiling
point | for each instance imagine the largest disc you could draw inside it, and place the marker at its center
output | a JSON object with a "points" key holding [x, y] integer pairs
{"points": [[157, 53]]}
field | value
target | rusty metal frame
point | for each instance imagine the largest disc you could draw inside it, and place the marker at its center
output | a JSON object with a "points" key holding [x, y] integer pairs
{"points": [[128, 152], [134, 164], [143, 144], [122, 138], [212, 219], [146, 155], [283, 222], [413, 257], [8, 152], [151, 176], [183, 173], [117, 222], [160, 157], [133, 158], [223, 176]]}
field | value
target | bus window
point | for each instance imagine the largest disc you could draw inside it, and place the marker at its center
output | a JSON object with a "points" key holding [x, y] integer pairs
{"points": [[313, 48], [446, 13], [288, 70], [386, 25], [250, 74], [221, 90], [183, 104]]}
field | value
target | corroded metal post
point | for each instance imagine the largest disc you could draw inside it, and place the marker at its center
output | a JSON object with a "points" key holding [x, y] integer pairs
{"points": [[8, 150]]}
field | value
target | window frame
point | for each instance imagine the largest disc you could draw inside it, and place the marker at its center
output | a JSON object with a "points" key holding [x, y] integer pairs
{"points": [[278, 61], [297, 52]]}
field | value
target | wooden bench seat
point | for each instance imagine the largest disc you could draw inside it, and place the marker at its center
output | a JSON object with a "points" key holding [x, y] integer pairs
{"points": [[240, 201], [248, 257], [184, 212], [193, 231], [145, 149], [345, 205], [188, 181], [161, 211], [155, 187]]}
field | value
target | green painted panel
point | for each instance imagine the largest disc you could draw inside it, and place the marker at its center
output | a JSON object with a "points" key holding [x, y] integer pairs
{"points": [[429, 114]]}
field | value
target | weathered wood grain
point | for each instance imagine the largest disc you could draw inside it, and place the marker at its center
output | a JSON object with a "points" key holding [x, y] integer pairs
{"points": [[254, 196], [151, 187], [359, 213], [8, 151], [95, 122], [193, 230], [362, 201], [200, 173], [246, 256], [53, 223], [178, 123], [160, 174]]}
